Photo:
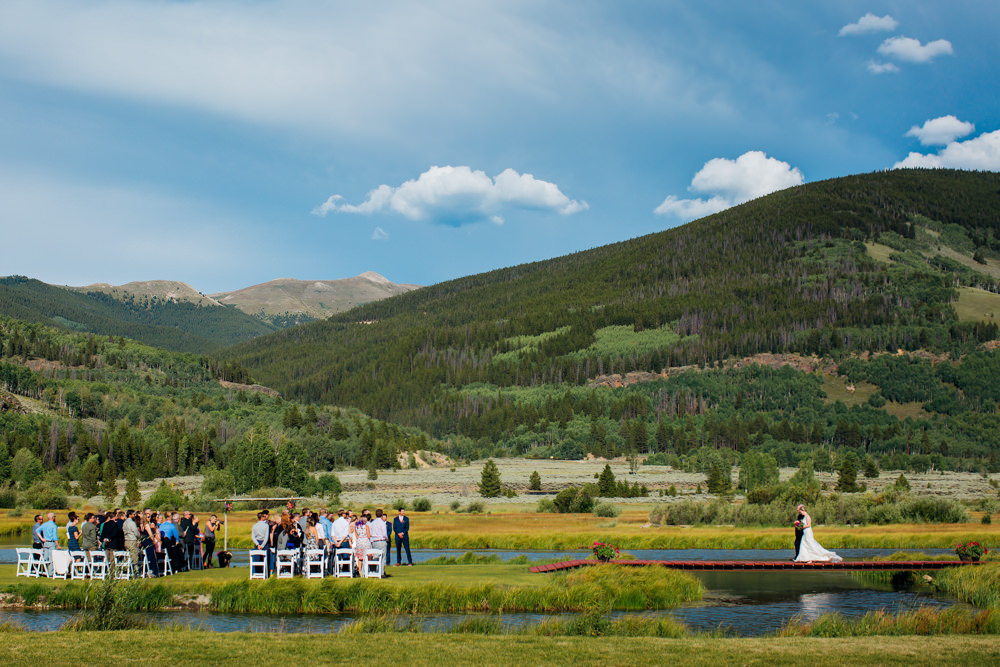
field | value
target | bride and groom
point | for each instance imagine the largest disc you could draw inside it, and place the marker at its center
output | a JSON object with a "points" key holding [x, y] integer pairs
{"points": [[807, 549]]}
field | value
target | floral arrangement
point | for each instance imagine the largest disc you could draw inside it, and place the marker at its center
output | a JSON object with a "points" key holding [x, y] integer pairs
{"points": [[799, 525], [970, 550], [604, 552]]}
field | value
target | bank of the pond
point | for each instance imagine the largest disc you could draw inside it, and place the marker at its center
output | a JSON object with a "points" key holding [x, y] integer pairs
{"points": [[440, 650], [441, 588]]}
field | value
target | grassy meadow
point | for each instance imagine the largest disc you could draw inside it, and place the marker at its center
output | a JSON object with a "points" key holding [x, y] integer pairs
{"points": [[437, 650]]}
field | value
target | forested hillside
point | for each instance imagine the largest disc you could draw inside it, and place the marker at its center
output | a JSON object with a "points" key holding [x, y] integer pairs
{"points": [[794, 272], [173, 325], [91, 409]]}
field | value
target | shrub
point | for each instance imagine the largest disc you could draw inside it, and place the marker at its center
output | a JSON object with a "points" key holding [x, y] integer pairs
{"points": [[545, 505], [399, 504], [606, 510], [8, 496], [476, 507], [455, 506], [165, 498], [42, 496], [219, 483], [422, 505]]}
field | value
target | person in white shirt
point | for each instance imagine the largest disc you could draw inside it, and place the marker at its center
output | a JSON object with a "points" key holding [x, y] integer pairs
{"points": [[380, 534], [341, 528]]}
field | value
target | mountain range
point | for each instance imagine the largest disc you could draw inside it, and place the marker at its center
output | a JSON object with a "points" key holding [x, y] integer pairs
{"points": [[175, 316]]}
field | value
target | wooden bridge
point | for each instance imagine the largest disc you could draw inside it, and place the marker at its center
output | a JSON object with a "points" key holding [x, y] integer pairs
{"points": [[765, 565]]}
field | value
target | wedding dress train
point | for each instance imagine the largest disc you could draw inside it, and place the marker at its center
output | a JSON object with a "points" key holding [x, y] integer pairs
{"points": [[810, 550]]}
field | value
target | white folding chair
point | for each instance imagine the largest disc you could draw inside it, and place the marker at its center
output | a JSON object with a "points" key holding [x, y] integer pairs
{"points": [[98, 565], [314, 564], [343, 561], [285, 563], [163, 562], [40, 565], [258, 564], [24, 562], [79, 567], [123, 565], [373, 564]]}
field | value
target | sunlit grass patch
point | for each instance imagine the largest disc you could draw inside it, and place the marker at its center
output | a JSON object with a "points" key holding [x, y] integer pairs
{"points": [[976, 305]]}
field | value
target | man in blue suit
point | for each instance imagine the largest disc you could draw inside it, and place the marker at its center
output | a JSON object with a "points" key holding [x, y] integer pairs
{"points": [[401, 527]]}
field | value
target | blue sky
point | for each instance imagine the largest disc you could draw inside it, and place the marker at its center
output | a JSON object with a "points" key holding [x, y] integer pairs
{"points": [[229, 143]]}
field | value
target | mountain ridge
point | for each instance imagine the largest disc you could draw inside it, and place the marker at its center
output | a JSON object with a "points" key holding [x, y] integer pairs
{"points": [[788, 272]]}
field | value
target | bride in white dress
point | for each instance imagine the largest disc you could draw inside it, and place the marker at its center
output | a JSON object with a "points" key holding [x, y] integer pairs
{"points": [[810, 550]]}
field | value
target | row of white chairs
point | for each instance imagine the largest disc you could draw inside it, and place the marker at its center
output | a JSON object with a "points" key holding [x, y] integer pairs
{"points": [[312, 563], [85, 564]]}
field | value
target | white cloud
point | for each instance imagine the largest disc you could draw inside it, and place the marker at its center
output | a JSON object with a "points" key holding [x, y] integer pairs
{"points": [[731, 182], [870, 23], [907, 49], [941, 131], [459, 195], [882, 68], [379, 234], [982, 152]]}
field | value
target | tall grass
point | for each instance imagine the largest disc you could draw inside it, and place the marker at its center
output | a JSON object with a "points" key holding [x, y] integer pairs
{"points": [[847, 509], [472, 558], [142, 596], [606, 588], [976, 584], [922, 621]]}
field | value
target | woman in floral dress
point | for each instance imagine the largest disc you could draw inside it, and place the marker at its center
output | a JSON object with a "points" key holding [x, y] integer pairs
{"points": [[362, 540]]}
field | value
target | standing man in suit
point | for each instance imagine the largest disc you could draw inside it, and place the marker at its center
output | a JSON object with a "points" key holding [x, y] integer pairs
{"points": [[401, 527]]}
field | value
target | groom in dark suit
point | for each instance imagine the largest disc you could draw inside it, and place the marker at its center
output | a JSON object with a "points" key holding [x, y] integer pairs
{"points": [[401, 527], [798, 528]]}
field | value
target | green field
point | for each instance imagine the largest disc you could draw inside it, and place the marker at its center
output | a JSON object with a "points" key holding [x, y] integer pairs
{"points": [[976, 305], [436, 650]]}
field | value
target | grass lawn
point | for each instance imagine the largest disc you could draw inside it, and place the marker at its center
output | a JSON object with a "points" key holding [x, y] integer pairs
{"points": [[437, 650], [459, 575], [976, 305]]}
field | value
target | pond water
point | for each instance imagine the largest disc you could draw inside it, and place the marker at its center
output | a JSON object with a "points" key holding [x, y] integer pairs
{"points": [[747, 603]]}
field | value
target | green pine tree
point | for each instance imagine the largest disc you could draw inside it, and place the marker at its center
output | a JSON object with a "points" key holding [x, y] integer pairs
{"points": [[109, 485], [132, 496], [535, 481], [847, 481], [606, 486], [489, 483]]}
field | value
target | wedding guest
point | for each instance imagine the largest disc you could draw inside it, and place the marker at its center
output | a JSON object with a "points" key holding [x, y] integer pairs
{"points": [[401, 529], [73, 532], [341, 528], [88, 533], [260, 535], [50, 536], [149, 542], [36, 533], [380, 534], [362, 541], [130, 532]]}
